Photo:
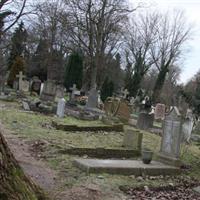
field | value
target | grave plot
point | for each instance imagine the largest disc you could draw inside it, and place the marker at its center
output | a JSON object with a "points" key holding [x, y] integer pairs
{"points": [[64, 127]]}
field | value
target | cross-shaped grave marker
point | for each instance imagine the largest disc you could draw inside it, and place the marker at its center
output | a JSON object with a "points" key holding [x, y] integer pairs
{"points": [[20, 76], [73, 89], [125, 93]]}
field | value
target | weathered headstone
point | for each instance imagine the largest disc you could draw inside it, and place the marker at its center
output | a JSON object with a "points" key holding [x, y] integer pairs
{"points": [[25, 86], [36, 85], [20, 76], [133, 139], [73, 92], [160, 111], [60, 91], [117, 107], [171, 139], [49, 91], [92, 99], [61, 108], [145, 121], [187, 126], [125, 93], [25, 106]]}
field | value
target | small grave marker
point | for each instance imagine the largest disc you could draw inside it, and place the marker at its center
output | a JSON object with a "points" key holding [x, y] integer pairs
{"points": [[132, 139], [61, 108], [20, 76]]}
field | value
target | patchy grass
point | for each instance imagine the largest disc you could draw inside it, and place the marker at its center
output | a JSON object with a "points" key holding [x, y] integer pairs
{"points": [[33, 126]]}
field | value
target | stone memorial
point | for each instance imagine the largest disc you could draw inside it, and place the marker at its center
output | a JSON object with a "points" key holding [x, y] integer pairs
{"points": [[20, 77], [171, 139], [26, 106], [92, 99], [132, 139], [159, 111], [120, 108], [60, 91], [49, 91], [25, 86], [146, 117], [72, 93], [187, 126], [36, 85], [61, 108]]}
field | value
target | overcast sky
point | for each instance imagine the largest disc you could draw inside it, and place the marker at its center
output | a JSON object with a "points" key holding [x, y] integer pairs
{"points": [[191, 60]]}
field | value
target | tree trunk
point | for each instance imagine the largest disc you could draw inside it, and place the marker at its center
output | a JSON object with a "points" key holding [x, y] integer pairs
{"points": [[159, 84], [14, 185]]}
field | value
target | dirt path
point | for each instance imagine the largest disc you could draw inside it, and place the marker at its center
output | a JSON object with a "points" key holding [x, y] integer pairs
{"points": [[47, 178], [37, 170]]}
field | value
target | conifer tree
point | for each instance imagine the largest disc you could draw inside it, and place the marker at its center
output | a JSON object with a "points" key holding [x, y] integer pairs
{"points": [[74, 71]]}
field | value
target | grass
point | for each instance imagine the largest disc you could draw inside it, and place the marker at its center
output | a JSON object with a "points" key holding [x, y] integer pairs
{"points": [[32, 126]]}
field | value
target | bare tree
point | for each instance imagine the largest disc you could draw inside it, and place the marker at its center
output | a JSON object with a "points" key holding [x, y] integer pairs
{"points": [[172, 33], [96, 28], [140, 36]]}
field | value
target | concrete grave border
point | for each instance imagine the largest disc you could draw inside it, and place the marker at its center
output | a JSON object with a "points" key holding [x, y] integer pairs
{"points": [[65, 127], [102, 152]]}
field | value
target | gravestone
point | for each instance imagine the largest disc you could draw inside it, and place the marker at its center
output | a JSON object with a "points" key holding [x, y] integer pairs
{"points": [[187, 126], [92, 99], [60, 91], [132, 139], [117, 107], [61, 108], [124, 110], [25, 106], [72, 94], [49, 91], [171, 139], [36, 85], [25, 86], [160, 111], [125, 93], [20, 77]]}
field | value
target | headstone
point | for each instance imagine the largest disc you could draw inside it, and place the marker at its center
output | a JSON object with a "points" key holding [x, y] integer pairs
{"points": [[171, 139], [20, 76], [125, 93], [187, 126], [73, 92], [61, 108], [160, 111], [145, 121], [49, 91], [59, 91], [25, 86], [124, 110], [41, 88], [132, 139], [117, 107], [92, 99], [25, 106], [36, 85]]}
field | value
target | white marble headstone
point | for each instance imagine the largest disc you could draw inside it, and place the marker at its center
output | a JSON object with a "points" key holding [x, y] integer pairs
{"points": [[61, 108]]}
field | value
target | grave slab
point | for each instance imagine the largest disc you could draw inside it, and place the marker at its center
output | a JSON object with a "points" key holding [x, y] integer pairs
{"points": [[125, 167]]}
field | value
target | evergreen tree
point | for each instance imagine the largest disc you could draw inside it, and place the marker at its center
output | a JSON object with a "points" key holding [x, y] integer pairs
{"points": [[74, 71], [39, 61], [16, 61], [17, 44], [107, 89], [17, 66]]}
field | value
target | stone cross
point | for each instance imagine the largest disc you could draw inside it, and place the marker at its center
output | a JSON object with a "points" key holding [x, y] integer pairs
{"points": [[20, 76], [73, 89], [125, 93]]}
